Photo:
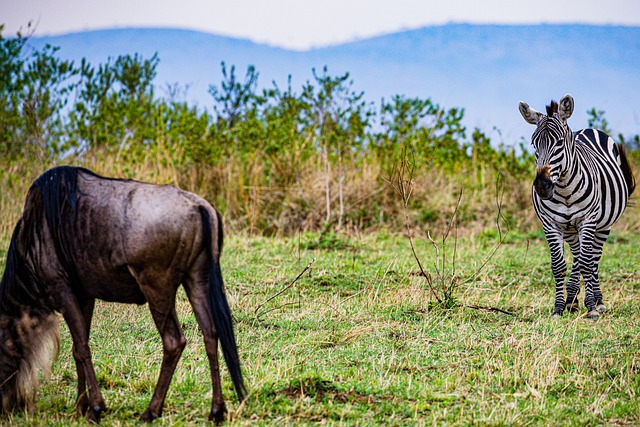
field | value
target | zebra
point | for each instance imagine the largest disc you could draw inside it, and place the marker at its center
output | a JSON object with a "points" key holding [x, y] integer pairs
{"points": [[582, 185]]}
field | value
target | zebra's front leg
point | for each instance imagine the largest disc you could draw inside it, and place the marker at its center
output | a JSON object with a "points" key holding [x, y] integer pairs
{"points": [[559, 269], [573, 286], [587, 268]]}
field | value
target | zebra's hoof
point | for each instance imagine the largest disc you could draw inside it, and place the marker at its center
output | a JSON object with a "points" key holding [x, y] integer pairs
{"points": [[593, 314], [572, 307], [557, 314], [601, 308]]}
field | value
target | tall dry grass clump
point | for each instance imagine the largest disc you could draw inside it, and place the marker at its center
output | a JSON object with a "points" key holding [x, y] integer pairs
{"points": [[253, 202]]}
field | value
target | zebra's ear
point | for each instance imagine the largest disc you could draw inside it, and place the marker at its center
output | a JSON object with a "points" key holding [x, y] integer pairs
{"points": [[565, 107], [530, 115]]}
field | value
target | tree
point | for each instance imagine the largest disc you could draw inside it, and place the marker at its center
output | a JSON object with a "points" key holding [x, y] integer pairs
{"points": [[115, 103], [233, 99], [34, 90], [12, 63], [288, 142], [339, 117], [598, 121]]}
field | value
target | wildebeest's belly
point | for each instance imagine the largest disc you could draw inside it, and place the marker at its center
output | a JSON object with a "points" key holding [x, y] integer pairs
{"points": [[116, 285]]}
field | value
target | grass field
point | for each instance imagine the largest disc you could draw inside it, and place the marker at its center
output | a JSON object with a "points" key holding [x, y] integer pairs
{"points": [[358, 340]]}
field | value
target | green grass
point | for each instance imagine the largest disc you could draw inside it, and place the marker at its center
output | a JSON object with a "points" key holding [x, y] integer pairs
{"points": [[357, 340]]}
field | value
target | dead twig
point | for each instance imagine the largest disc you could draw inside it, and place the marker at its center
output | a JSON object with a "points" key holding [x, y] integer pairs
{"points": [[283, 290], [448, 285], [404, 187], [483, 307]]}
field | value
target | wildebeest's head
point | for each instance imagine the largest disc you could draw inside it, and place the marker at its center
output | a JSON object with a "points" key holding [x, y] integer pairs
{"points": [[551, 139]]}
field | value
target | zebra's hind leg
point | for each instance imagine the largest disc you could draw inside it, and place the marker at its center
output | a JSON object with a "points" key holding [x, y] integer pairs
{"points": [[588, 242], [598, 294], [558, 267], [573, 286], [600, 238]]}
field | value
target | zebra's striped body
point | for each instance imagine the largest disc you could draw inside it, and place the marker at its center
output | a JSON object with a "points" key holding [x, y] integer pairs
{"points": [[583, 182]]}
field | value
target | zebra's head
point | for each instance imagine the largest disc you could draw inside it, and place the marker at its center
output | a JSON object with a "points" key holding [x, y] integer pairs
{"points": [[553, 142]]}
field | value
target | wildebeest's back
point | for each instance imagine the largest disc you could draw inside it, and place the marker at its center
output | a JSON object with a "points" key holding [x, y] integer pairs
{"points": [[125, 229]]}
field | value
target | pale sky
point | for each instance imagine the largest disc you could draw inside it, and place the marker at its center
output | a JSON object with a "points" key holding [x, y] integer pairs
{"points": [[302, 24]]}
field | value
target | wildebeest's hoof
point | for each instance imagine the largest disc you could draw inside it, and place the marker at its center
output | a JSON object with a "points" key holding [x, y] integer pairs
{"points": [[593, 314], [217, 414], [95, 413], [148, 416], [572, 307], [82, 406], [601, 308]]}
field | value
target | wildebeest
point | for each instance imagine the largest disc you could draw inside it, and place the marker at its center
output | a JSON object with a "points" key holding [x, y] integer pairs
{"points": [[84, 237]]}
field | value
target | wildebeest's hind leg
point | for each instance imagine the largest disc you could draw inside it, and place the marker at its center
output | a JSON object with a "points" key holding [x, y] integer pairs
{"points": [[82, 402], [197, 288], [161, 297], [74, 315]]}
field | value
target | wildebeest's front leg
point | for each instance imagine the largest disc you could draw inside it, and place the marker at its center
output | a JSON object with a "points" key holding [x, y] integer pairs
{"points": [[558, 267], [173, 342], [82, 402], [75, 318], [161, 293]]}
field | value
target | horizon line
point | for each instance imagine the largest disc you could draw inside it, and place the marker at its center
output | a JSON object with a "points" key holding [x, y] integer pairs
{"points": [[304, 47]]}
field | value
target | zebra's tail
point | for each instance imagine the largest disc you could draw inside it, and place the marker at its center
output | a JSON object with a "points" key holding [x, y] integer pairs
{"points": [[626, 170]]}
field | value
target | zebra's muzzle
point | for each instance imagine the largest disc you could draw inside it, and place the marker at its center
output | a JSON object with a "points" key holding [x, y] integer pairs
{"points": [[543, 185]]}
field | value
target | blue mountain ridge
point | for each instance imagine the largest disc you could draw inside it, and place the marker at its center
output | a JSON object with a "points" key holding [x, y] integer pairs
{"points": [[485, 69]]}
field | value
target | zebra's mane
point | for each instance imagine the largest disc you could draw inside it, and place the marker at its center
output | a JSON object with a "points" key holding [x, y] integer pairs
{"points": [[552, 109]]}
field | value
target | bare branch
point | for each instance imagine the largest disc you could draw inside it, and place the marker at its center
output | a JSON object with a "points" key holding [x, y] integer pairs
{"points": [[433, 242], [403, 185], [283, 290], [482, 307]]}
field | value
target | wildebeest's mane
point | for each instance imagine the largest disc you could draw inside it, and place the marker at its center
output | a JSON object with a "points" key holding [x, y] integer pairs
{"points": [[57, 187], [52, 193], [11, 270], [552, 109]]}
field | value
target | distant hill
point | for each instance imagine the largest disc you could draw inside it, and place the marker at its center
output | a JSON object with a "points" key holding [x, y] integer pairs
{"points": [[485, 69]]}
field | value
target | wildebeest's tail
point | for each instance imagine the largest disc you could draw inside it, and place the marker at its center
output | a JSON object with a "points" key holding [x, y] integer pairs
{"points": [[626, 170], [220, 306]]}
